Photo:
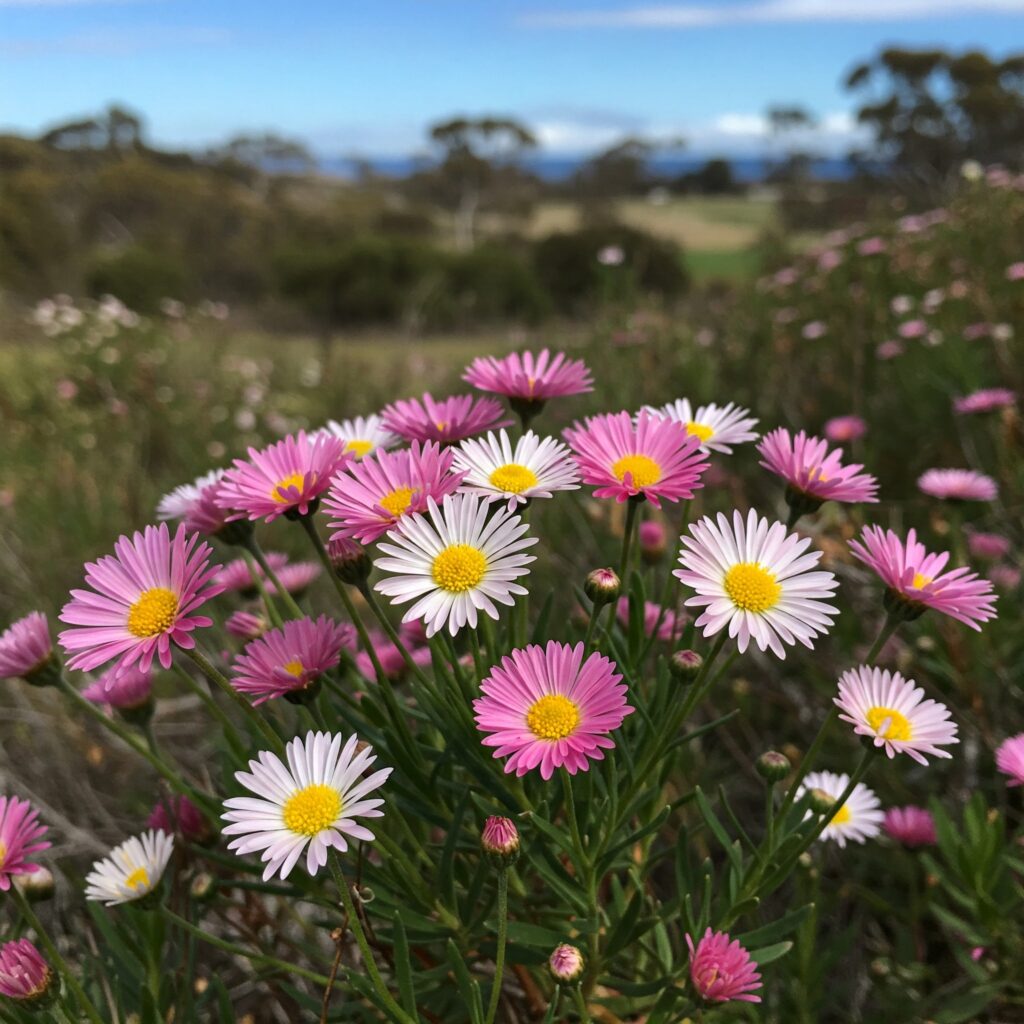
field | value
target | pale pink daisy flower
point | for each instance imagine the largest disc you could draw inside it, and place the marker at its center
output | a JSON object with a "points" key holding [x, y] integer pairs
{"points": [[1015, 272], [1010, 759], [911, 826], [143, 600], [25, 976], [197, 506], [392, 661], [990, 546], [721, 970], [985, 400], [845, 428], [957, 485], [653, 458], [370, 497], [178, 503], [893, 712], [122, 688], [857, 820], [177, 815], [813, 474], [547, 708], [889, 350], [363, 435], [237, 574], [25, 647], [295, 577], [915, 580], [528, 377], [286, 478], [1005, 577], [717, 427], [311, 803], [757, 580], [535, 468], [21, 836], [445, 421], [663, 622], [286, 661]]}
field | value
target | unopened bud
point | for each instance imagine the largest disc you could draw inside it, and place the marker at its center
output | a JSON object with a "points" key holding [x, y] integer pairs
{"points": [[566, 964], [37, 886], [773, 766], [602, 586], [822, 802], [653, 542], [685, 665], [203, 887], [500, 840], [246, 625], [26, 978], [351, 563]]}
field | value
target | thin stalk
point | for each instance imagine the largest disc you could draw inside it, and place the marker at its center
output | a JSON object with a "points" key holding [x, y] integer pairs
{"points": [[632, 505], [574, 827], [272, 613], [499, 960], [806, 761], [286, 599], [234, 740], [581, 1005]]}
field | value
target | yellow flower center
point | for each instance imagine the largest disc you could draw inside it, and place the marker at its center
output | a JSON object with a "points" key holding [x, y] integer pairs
{"points": [[293, 668], [920, 581], [280, 490], [700, 430], [312, 809], [359, 448], [899, 727], [752, 588], [397, 502], [154, 612], [643, 470], [442, 425], [3, 854], [842, 816], [513, 478], [553, 717], [138, 880], [458, 568]]}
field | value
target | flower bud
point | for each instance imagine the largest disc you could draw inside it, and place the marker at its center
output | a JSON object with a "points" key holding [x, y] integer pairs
{"points": [[246, 625], [351, 563], [602, 586], [566, 964], [653, 541], [500, 840], [36, 886], [822, 802], [236, 532], [685, 666], [203, 886], [773, 766], [25, 977]]}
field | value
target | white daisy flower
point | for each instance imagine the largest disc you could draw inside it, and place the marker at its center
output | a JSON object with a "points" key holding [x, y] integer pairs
{"points": [[455, 561], [858, 819], [719, 427], [890, 709], [177, 503], [536, 467], [312, 802], [131, 870], [363, 434], [755, 578]]}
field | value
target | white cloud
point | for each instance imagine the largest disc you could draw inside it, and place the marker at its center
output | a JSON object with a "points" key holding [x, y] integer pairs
{"points": [[117, 42], [684, 16]]}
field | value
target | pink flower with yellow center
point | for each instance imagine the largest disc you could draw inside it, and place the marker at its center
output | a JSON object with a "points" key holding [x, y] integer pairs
{"points": [[652, 458], [21, 836], [445, 421], [143, 600], [529, 377], [547, 708], [813, 472], [721, 970]]}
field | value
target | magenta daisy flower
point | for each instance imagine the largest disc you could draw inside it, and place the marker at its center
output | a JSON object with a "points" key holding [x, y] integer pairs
{"points": [[237, 575], [916, 582], [843, 429], [21, 836], [25, 647], [287, 478], [653, 458], [391, 659], [445, 421], [370, 497], [24, 975], [285, 662], [548, 708], [528, 377], [957, 485], [990, 546], [813, 474], [1010, 759], [125, 689], [986, 400], [143, 600], [911, 826], [722, 970], [663, 622]]}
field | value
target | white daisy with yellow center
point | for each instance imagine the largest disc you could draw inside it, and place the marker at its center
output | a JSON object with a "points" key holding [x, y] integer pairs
{"points": [[718, 427], [893, 712], [455, 561], [309, 804], [535, 468], [131, 870], [363, 435], [756, 580], [860, 816]]}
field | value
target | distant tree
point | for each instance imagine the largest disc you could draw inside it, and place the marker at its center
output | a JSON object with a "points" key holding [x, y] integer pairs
{"points": [[789, 127], [621, 170], [266, 153], [932, 110], [117, 130]]}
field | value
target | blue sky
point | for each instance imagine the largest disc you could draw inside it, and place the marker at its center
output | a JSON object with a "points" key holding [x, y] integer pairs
{"points": [[366, 77]]}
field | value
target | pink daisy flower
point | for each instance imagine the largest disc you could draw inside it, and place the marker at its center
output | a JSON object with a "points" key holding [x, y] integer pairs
{"points": [[916, 582], [957, 485], [990, 546], [237, 575], [21, 836], [530, 378], [286, 661], [24, 975], [295, 577], [845, 428], [143, 600], [445, 421], [124, 689], [911, 826], [984, 401], [196, 505], [370, 497], [1010, 759], [665, 622], [814, 474], [653, 458], [25, 647], [246, 625], [722, 970], [548, 708], [177, 815], [391, 659], [1005, 577], [287, 478]]}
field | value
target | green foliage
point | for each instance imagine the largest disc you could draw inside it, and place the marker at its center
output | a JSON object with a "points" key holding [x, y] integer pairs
{"points": [[140, 278]]}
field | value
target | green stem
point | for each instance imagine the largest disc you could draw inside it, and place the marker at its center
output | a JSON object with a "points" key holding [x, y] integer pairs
{"points": [[272, 613], [806, 761], [234, 740], [581, 1005], [59, 963], [574, 826], [289, 602], [889, 626], [499, 960], [392, 633], [632, 504]]}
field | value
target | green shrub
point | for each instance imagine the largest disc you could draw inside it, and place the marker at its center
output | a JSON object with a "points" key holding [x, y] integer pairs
{"points": [[140, 278]]}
